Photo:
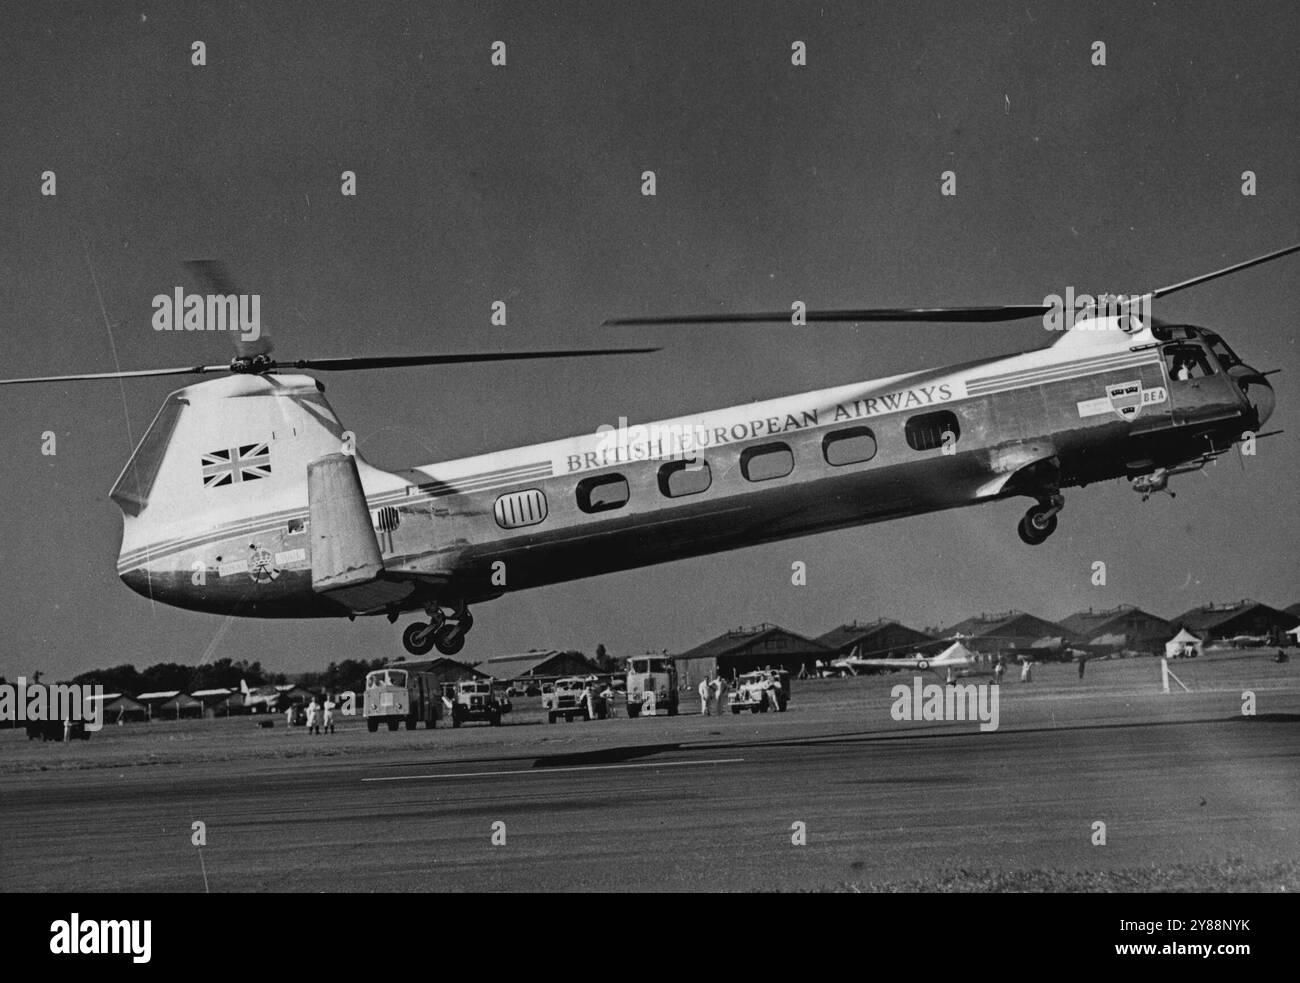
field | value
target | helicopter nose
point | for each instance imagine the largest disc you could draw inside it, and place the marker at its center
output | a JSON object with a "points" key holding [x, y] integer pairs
{"points": [[1260, 395]]}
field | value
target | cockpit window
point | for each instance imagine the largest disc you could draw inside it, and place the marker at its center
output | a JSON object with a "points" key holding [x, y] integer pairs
{"points": [[131, 491], [1187, 362], [1226, 356]]}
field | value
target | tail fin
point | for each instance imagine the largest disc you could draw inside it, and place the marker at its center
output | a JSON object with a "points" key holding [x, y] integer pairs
{"points": [[243, 686]]}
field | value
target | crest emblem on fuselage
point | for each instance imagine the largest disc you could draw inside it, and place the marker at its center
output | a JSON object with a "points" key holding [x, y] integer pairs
{"points": [[1124, 399], [261, 566]]}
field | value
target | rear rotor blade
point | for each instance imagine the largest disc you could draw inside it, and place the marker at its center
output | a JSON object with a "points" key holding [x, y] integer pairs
{"points": [[980, 315], [399, 361], [134, 374]]}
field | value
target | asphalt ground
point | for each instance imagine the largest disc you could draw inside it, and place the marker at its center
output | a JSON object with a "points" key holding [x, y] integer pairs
{"points": [[832, 794]]}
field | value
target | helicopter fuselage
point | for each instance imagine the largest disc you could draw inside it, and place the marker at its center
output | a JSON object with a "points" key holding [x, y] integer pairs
{"points": [[1095, 406]]}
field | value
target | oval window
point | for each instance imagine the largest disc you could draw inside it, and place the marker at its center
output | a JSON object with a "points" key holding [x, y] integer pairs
{"points": [[853, 445], [931, 430], [767, 461], [680, 478], [603, 493]]}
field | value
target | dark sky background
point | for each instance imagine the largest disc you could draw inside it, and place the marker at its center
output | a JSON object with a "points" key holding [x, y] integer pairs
{"points": [[522, 183]]}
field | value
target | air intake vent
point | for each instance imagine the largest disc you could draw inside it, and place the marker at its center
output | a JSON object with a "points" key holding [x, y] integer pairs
{"points": [[525, 508]]}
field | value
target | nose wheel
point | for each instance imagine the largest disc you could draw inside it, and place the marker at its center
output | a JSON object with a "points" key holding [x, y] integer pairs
{"points": [[1040, 521], [445, 633]]}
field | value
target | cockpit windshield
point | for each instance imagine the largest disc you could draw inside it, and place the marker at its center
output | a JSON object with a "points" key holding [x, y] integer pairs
{"points": [[133, 485], [386, 677], [1226, 356]]}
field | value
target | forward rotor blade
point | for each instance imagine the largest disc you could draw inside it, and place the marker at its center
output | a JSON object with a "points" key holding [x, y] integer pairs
{"points": [[398, 361], [982, 315], [1267, 257], [134, 374]]}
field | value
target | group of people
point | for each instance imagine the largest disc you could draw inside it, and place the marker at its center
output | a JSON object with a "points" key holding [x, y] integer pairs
{"points": [[320, 717], [712, 691]]}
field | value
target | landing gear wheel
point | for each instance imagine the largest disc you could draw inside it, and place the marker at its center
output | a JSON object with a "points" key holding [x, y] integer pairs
{"points": [[413, 642], [449, 639], [372, 724], [1038, 523]]}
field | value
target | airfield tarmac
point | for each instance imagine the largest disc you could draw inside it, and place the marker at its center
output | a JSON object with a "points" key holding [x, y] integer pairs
{"points": [[1194, 796]]}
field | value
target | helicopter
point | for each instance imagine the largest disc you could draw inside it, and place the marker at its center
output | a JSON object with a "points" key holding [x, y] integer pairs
{"points": [[246, 495]]}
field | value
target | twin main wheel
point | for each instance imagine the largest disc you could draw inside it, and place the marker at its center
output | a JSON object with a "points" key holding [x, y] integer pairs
{"points": [[448, 637]]}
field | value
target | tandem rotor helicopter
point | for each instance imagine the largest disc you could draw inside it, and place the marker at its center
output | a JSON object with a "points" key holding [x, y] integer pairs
{"points": [[245, 496]]}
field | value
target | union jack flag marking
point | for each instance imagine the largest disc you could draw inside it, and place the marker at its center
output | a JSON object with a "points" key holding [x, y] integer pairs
{"points": [[229, 467]]}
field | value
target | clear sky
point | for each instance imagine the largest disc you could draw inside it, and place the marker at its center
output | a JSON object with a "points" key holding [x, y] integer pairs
{"points": [[522, 183]]}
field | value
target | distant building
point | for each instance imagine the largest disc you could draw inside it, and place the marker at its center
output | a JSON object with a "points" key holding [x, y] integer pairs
{"points": [[216, 702], [170, 705], [1013, 630], [746, 649], [1123, 627], [443, 669], [1223, 622], [536, 664], [119, 708], [883, 639]]}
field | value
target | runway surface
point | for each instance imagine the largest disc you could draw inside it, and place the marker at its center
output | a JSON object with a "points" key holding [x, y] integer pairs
{"points": [[688, 803]]}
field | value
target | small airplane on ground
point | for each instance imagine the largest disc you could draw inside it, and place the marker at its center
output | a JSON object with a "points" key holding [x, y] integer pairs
{"points": [[956, 661]]}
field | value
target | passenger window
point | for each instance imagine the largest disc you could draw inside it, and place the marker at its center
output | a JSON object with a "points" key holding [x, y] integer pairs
{"points": [[603, 493], [680, 478], [766, 462], [1187, 362], [926, 432], [852, 445]]}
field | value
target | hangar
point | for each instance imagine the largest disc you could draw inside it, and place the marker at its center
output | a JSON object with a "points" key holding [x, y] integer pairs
{"points": [[1122, 627], [170, 705], [535, 664], [119, 708], [444, 670], [746, 649], [1220, 622], [1009, 631], [884, 639]]}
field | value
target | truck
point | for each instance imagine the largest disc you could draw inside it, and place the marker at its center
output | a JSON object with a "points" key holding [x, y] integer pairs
{"points": [[401, 696], [567, 698], [760, 691], [474, 699], [651, 686]]}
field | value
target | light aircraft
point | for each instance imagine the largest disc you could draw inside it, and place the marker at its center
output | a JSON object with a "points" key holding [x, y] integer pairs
{"points": [[268, 699], [246, 495], [953, 662]]}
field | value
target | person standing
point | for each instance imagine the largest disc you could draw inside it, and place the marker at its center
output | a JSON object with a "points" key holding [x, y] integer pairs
{"points": [[999, 668], [1026, 673], [719, 694], [288, 716], [1082, 663], [704, 696], [312, 709], [328, 718]]}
